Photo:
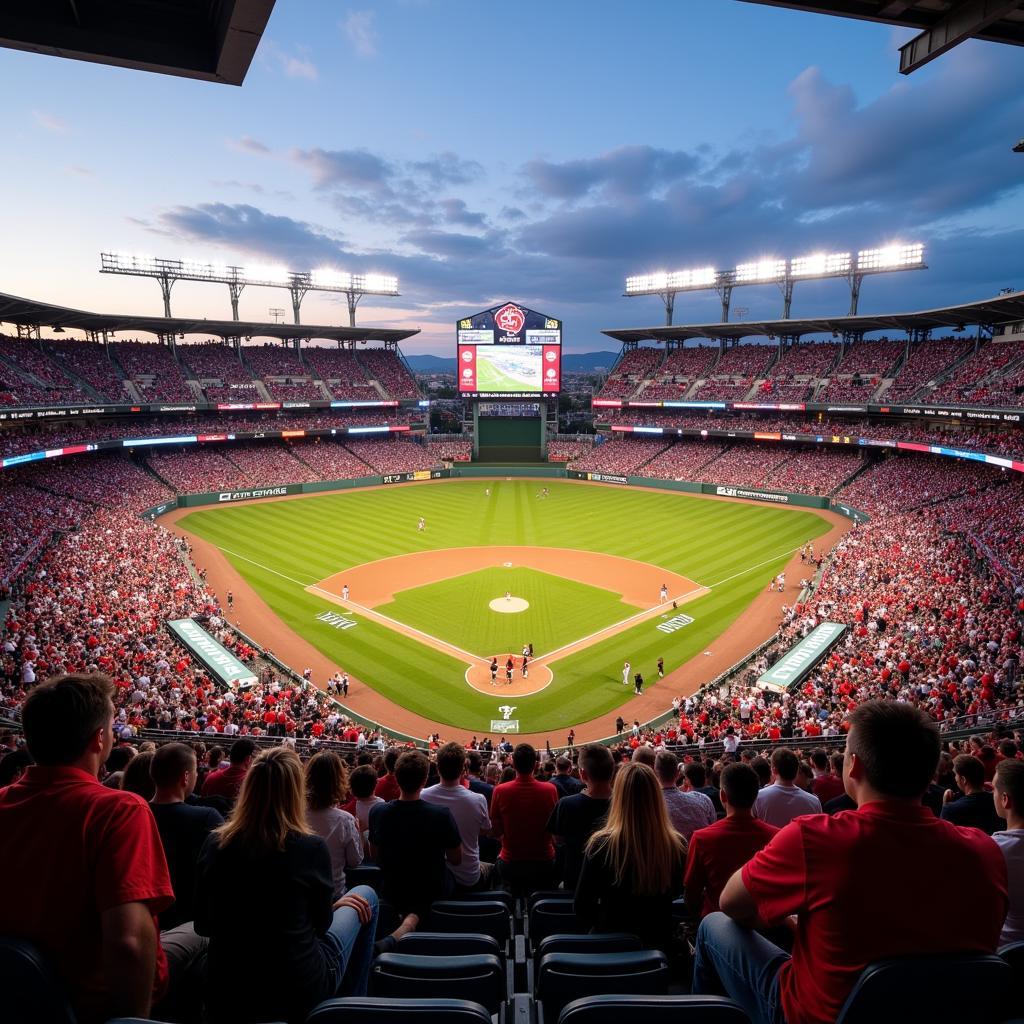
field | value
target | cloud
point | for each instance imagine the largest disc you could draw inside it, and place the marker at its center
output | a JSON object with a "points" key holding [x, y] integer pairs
{"points": [[51, 122], [299, 67], [359, 29], [447, 169], [352, 168], [81, 172], [247, 144], [456, 212], [294, 63]]}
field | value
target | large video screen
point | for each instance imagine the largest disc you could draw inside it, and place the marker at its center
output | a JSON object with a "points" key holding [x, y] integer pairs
{"points": [[509, 352]]}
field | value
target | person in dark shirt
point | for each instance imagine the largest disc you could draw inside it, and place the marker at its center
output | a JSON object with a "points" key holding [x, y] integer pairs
{"points": [[562, 780], [265, 899], [697, 780], [577, 817], [183, 827], [975, 808], [475, 766], [411, 840], [633, 866], [226, 782]]}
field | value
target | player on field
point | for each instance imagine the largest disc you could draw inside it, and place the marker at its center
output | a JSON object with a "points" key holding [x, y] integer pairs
{"points": [[494, 671], [625, 673], [422, 524], [509, 668], [344, 592], [664, 592]]}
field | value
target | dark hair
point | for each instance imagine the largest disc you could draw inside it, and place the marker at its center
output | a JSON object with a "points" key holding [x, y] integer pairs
{"points": [[169, 762], [695, 774], [785, 764], [119, 758], [562, 763], [819, 759], [524, 758], [740, 785], [474, 762], [897, 744], [363, 781], [666, 766], [1008, 748], [61, 716], [597, 761], [241, 751], [214, 756], [837, 764], [972, 770], [762, 769], [326, 781], [451, 760], [391, 756], [1009, 778], [137, 777], [13, 763], [411, 770]]}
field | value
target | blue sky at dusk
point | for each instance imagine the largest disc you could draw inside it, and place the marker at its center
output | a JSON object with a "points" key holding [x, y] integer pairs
{"points": [[537, 151]]}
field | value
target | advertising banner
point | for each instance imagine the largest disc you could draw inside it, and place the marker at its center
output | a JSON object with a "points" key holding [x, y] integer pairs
{"points": [[794, 666], [214, 656]]}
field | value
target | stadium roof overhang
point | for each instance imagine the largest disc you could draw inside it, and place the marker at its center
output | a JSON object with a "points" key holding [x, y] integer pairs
{"points": [[210, 40], [32, 314], [943, 24], [1002, 309]]}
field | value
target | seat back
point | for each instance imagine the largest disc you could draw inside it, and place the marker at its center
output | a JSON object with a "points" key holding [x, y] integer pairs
{"points": [[938, 989], [653, 1010], [373, 1010], [606, 942], [32, 992], [446, 944], [478, 978], [563, 977], [1013, 954], [489, 917], [485, 895], [365, 874], [552, 917]]}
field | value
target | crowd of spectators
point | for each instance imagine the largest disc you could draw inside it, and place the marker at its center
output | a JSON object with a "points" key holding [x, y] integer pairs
{"points": [[927, 360], [329, 459], [266, 464], [618, 457], [869, 358], [806, 359], [340, 370], [89, 361], [567, 451], [197, 469], [683, 461], [213, 360], [384, 366], [28, 356], [295, 391], [979, 379], [154, 370], [274, 360], [393, 455], [450, 450]]}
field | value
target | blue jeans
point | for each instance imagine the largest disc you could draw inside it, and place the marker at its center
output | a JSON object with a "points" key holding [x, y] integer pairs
{"points": [[353, 943], [740, 963]]}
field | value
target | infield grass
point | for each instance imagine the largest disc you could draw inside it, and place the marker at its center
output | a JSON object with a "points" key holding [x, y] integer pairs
{"points": [[281, 547]]}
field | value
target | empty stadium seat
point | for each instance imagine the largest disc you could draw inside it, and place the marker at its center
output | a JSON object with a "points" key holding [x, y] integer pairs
{"points": [[375, 1010], [598, 942], [490, 917], [1013, 954], [490, 894], [653, 1010], [365, 874], [939, 990], [563, 977], [446, 944], [552, 917], [479, 978], [32, 992]]}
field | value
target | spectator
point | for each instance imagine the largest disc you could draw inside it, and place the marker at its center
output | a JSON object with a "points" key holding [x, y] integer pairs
{"points": [[575, 818], [326, 789], [137, 778], [387, 786], [720, 849], [183, 827], [837, 875], [412, 840], [477, 783], [520, 811], [1008, 793], [975, 807], [782, 801], [115, 765], [300, 943], [827, 785], [362, 782], [696, 781], [469, 810], [688, 811], [227, 782], [633, 866], [563, 779], [88, 862]]}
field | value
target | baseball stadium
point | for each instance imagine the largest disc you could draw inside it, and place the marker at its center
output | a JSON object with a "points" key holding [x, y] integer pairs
{"points": [[524, 664]]}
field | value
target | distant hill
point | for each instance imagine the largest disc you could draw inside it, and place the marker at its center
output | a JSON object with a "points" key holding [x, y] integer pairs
{"points": [[572, 362]]}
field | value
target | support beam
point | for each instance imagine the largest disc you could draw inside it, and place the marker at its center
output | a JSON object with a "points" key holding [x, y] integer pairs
{"points": [[725, 293], [235, 289], [965, 20], [353, 301], [298, 293], [787, 296], [669, 298], [856, 280]]}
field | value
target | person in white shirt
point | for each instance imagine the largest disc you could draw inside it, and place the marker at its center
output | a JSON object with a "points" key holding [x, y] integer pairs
{"points": [[362, 782], [469, 810], [625, 673], [326, 787], [782, 801], [1008, 794]]}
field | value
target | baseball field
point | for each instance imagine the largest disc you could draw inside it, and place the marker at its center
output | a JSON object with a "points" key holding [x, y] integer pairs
{"points": [[417, 614]]}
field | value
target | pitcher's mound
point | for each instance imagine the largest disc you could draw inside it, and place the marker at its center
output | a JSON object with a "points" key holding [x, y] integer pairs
{"points": [[509, 604]]}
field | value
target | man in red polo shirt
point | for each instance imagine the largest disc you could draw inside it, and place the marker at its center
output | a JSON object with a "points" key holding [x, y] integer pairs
{"points": [[520, 811], [226, 782], [861, 883], [84, 864], [387, 787]]}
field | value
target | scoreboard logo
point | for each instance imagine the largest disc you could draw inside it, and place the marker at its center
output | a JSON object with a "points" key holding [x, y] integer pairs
{"points": [[465, 324], [510, 319]]}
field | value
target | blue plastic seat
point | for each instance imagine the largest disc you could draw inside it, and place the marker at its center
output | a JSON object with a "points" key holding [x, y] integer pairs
{"points": [[447, 944], [598, 942], [372, 1010], [32, 993], [484, 895], [552, 917], [653, 1010], [564, 977], [939, 990], [489, 917], [478, 978], [365, 874]]}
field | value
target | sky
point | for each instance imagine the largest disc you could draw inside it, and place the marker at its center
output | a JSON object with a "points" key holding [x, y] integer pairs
{"points": [[537, 151]]}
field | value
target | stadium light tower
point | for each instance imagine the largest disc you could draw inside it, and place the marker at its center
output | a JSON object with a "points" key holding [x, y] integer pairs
{"points": [[784, 273], [168, 272]]}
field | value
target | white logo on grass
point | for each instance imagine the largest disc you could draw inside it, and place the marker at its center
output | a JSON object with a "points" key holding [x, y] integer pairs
{"points": [[506, 711]]}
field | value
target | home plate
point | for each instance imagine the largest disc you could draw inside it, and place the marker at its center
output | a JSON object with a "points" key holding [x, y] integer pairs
{"points": [[509, 604]]}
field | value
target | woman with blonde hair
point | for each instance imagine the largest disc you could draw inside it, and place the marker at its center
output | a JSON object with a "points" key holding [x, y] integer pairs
{"points": [[633, 866], [326, 789], [264, 896]]}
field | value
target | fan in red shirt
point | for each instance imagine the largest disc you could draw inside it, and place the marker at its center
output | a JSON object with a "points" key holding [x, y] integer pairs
{"points": [[717, 851], [520, 811], [827, 785], [226, 782], [387, 787], [88, 860], [861, 884]]}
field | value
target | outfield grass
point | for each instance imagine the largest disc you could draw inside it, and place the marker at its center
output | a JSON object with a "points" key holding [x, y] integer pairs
{"points": [[282, 546]]}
